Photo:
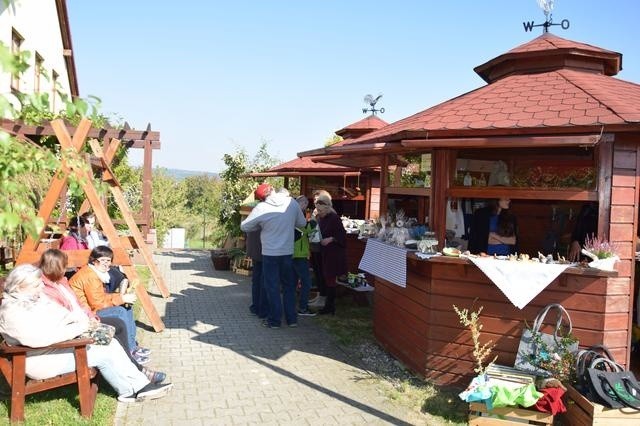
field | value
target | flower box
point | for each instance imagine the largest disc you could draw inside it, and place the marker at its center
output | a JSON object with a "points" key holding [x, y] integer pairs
{"points": [[581, 411], [479, 415]]}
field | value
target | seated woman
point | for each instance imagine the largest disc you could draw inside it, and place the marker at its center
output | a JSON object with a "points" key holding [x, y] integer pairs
{"points": [[53, 263], [28, 317], [494, 229], [88, 284], [83, 236]]}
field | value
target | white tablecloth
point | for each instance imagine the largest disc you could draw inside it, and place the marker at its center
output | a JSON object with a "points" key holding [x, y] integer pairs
{"points": [[385, 261], [519, 281]]}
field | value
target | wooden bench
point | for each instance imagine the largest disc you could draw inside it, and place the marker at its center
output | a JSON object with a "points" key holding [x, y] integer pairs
{"points": [[13, 362]]}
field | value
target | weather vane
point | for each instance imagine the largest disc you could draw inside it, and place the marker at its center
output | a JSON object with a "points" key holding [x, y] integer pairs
{"points": [[547, 7], [369, 99]]}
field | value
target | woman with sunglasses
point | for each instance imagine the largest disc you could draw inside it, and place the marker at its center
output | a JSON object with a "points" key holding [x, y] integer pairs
{"points": [[88, 284]]}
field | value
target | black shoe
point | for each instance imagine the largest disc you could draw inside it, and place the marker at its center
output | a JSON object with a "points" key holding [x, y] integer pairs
{"points": [[327, 311], [306, 313]]}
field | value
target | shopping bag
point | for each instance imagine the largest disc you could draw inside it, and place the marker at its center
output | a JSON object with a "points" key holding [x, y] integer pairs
{"points": [[544, 354], [613, 386]]}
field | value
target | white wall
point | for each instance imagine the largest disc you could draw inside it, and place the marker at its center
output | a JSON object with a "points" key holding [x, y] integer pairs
{"points": [[37, 22]]}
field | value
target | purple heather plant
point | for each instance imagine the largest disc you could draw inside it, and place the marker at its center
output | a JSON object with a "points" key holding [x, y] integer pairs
{"points": [[600, 247]]}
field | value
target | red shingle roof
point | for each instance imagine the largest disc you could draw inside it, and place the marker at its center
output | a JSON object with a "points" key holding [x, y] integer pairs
{"points": [[562, 96], [364, 126], [307, 165]]}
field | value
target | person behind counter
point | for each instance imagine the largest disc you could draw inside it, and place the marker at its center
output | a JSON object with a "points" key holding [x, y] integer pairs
{"points": [[586, 226], [494, 229]]}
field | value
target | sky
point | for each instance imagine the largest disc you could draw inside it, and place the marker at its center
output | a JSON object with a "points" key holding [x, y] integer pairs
{"points": [[217, 76]]}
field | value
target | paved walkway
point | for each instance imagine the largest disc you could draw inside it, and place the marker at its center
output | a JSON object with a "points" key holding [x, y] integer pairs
{"points": [[229, 370]]}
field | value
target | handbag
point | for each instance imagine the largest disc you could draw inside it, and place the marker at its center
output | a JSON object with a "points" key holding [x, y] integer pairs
{"points": [[540, 352], [602, 380], [101, 333]]}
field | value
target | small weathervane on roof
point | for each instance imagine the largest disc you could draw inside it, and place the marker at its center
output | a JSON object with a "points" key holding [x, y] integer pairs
{"points": [[547, 7], [369, 99]]}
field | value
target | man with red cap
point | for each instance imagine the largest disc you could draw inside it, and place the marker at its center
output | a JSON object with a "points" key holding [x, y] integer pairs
{"points": [[276, 216]]}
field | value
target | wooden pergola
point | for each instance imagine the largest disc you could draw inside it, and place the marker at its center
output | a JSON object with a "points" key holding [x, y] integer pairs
{"points": [[147, 140], [32, 249]]}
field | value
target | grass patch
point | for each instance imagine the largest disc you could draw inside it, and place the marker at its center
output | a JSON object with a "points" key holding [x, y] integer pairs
{"points": [[352, 328], [60, 406]]}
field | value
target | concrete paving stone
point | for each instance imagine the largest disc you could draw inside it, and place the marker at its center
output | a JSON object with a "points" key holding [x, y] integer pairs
{"points": [[228, 369], [223, 412], [277, 417]]}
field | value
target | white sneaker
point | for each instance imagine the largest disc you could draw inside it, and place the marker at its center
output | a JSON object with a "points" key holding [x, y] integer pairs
{"points": [[318, 302], [150, 391]]}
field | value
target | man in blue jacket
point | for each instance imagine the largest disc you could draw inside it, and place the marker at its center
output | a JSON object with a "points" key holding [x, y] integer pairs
{"points": [[276, 216]]}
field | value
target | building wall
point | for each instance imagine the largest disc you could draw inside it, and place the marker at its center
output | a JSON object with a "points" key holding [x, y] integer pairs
{"points": [[37, 23]]}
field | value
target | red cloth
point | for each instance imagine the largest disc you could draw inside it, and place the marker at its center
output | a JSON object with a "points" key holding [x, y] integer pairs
{"points": [[551, 401]]}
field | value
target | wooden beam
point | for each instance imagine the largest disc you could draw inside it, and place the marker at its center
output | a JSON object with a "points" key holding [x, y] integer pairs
{"points": [[134, 137], [508, 141], [120, 200]]}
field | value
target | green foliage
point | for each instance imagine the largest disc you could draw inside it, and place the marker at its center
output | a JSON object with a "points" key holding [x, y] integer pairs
{"points": [[202, 203], [168, 203], [332, 140], [26, 167], [237, 185], [480, 351]]}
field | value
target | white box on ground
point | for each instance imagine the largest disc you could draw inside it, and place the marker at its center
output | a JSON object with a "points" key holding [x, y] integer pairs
{"points": [[174, 238]]}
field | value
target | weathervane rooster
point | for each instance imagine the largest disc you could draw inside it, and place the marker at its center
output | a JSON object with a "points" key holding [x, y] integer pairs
{"points": [[369, 99], [547, 7]]}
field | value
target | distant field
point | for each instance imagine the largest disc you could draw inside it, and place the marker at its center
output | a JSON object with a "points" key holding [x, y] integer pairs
{"points": [[180, 174]]}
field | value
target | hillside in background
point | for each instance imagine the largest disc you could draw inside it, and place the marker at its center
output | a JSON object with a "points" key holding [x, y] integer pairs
{"points": [[180, 174]]}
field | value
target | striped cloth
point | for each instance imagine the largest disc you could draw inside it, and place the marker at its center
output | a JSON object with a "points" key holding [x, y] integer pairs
{"points": [[385, 261]]}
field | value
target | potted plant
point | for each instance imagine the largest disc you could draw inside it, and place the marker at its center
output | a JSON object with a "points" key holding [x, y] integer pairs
{"points": [[603, 254], [221, 259]]}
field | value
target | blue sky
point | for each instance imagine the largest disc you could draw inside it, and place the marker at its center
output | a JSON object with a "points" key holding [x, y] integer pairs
{"points": [[213, 76]]}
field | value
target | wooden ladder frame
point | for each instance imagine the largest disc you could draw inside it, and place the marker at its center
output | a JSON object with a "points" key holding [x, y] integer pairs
{"points": [[32, 250]]}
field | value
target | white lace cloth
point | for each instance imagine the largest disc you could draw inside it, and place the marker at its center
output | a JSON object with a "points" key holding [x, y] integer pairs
{"points": [[519, 281]]}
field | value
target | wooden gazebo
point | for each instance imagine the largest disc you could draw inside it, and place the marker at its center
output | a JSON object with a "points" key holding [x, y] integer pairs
{"points": [[569, 133]]}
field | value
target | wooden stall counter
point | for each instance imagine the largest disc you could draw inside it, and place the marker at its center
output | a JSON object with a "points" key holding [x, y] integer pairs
{"points": [[417, 323]]}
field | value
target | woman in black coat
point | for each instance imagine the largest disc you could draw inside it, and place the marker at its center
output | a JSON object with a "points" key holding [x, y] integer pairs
{"points": [[333, 249]]}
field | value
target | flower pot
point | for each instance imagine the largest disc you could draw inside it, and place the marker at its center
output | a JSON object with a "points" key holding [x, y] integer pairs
{"points": [[221, 263], [605, 264]]}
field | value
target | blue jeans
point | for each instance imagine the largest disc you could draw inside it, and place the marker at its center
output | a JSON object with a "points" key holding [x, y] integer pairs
{"points": [[125, 315], [278, 276], [301, 269], [259, 304]]}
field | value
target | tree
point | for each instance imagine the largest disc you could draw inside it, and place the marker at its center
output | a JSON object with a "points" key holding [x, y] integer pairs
{"points": [[168, 203], [202, 193], [238, 185], [332, 140]]}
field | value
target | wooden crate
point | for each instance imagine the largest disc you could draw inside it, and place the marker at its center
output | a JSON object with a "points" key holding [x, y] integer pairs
{"points": [[242, 265], [581, 411], [479, 415]]}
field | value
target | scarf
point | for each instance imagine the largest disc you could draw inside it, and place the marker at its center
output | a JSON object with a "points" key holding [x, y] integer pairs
{"points": [[104, 276]]}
